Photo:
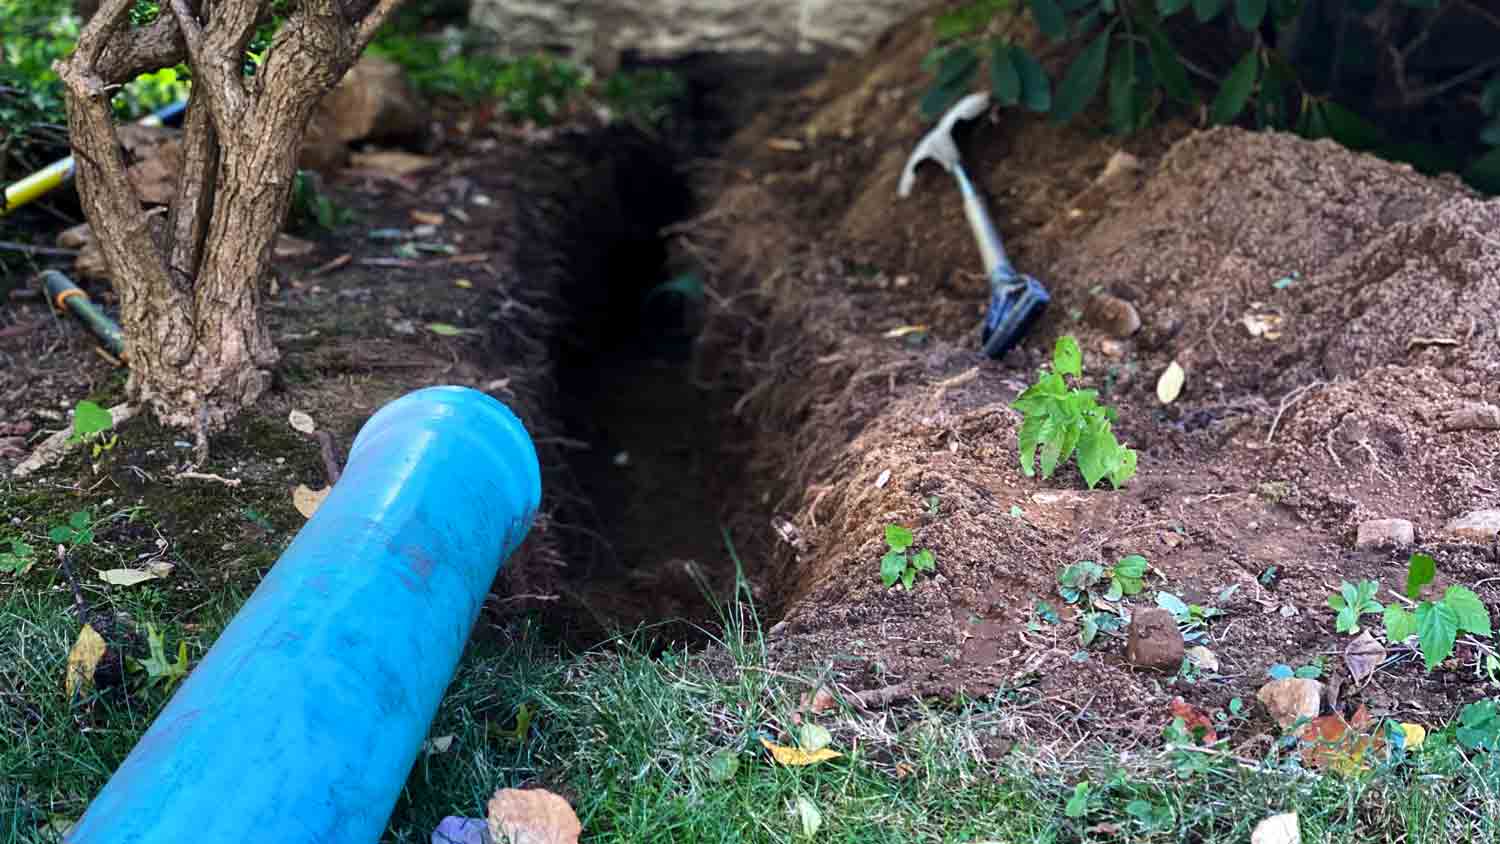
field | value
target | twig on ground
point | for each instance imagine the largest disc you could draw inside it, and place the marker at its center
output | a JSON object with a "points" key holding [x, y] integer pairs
{"points": [[206, 476], [1286, 402], [29, 249], [54, 447]]}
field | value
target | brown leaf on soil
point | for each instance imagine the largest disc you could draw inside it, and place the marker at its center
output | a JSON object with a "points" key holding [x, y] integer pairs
{"points": [[1363, 656], [1193, 718], [532, 816], [307, 500], [818, 701]]}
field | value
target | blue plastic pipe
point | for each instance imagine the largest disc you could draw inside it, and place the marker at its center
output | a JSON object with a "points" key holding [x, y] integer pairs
{"points": [[304, 719]]}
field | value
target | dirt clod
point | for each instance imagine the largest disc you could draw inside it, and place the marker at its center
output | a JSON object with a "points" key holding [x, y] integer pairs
{"points": [[1113, 315], [1291, 698], [1382, 533], [1155, 642], [1473, 416], [1478, 525]]}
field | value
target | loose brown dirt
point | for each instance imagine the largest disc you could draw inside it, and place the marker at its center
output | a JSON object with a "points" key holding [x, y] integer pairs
{"points": [[1251, 484]]}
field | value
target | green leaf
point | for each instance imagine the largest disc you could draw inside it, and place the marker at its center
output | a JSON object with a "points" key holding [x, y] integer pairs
{"points": [[1479, 725], [1130, 574], [898, 537], [722, 766], [1082, 80], [1116, 590], [1081, 575], [1468, 609], [1250, 13], [1097, 455], [1005, 80], [443, 329], [891, 567], [156, 664], [1207, 10], [89, 418], [1337, 602], [1126, 469], [1122, 90], [1437, 628], [80, 519], [1168, 67], [1167, 8], [1281, 672], [908, 576], [1235, 92], [1309, 672], [1078, 804], [1089, 629], [1067, 358], [60, 534], [957, 66], [808, 814], [1172, 604], [1036, 86], [1351, 130], [1420, 570], [1030, 436], [1049, 18], [1400, 625], [924, 560]]}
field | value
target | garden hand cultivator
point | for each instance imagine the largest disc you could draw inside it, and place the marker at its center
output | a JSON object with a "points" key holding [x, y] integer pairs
{"points": [[1016, 300]]}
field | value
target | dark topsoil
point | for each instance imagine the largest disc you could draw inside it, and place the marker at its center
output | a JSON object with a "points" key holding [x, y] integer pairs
{"points": [[795, 404], [1391, 320]]}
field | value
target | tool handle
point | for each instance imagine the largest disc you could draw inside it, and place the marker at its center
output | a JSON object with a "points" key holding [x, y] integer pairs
{"points": [[990, 249]]}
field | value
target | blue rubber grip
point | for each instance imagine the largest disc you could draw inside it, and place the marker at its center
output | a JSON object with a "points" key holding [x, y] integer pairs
{"points": [[304, 719]]}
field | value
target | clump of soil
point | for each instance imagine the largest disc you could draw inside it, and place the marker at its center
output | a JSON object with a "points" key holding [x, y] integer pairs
{"points": [[1329, 309]]}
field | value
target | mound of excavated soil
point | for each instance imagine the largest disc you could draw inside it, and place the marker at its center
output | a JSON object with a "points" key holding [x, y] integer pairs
{"points": [[1331, 312]]}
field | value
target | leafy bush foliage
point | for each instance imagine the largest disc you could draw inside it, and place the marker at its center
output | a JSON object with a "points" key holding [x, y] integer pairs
{"points": [[1061, 420], [1309, 66]]}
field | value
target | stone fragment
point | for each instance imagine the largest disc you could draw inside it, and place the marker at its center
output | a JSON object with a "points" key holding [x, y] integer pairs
{"points": [[1473, 416], [1478, 525], [1113, 315], [1292, 698], [1384, 533]]}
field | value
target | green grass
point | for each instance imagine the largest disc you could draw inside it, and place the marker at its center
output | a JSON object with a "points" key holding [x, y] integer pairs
{"points": [[627, 737]]}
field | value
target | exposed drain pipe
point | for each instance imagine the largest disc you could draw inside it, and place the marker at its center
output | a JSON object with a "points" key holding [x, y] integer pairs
{"points": [[303, 721]]}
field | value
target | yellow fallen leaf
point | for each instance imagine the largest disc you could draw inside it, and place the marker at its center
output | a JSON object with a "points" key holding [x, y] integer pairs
{"points": [[1169, 386], [130, 577], [1416, 734], [307, 500], [301, 421], [83, 659], [464, 283], [797, 757], [532, 816], [903, 330]]}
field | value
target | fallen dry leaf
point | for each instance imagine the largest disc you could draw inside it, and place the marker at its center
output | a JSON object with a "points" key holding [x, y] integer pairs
{"points": [[1290, 699], [301, 422], [130, 577], [392, 162], [83, 659], [903, 330], [307, 500], [1277, 829], [1416, 735], [441, 744], [796, 756], [532, 816], [1331, 743], [426, 218], [1363, 656], [811, 818], [1262, 325], [1169, 385], [904, 770], [1194, 718], [292, 247]]}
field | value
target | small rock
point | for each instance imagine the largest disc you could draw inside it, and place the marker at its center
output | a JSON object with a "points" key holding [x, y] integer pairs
{"points": [[1381, 533], [1155, 642], [1290, 699], [1119, 166], [1478, 525], [1113, 315], [1473, 416], [1277, 829]]}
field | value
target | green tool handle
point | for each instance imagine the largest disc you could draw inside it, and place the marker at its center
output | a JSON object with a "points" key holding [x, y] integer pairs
{"points": [[65, 295], [990, 248]]}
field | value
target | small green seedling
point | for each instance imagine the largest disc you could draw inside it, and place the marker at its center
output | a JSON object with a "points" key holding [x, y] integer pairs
{"points": [[18, 559], [1311, 671], [1060, 420], [1436, 624], [1078, 804], [1191, 618], [1479, 725], [897, 564], [1076, 584], [78, 531], [156, 666], [90, 421], [1353, 601], [1153, 817]]}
